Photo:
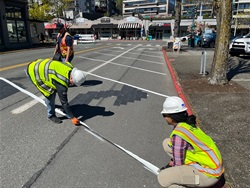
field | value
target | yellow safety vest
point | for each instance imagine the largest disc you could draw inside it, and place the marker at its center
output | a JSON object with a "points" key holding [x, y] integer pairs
{"points": [[63, 46], [42, 72], [205, 156]]}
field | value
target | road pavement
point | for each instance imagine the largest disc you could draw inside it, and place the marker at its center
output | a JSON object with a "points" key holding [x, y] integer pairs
{"points": [[121, 100]]}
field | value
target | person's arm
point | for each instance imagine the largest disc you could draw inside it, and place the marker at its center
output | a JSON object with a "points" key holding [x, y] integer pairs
{"points": [[69, 43], [179, 147]]}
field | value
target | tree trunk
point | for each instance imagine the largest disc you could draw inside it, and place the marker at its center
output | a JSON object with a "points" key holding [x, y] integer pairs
{"points": [[177, 18], [220, 60]]}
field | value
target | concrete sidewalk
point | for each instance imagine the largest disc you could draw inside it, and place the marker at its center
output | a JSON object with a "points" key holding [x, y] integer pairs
{"points": [[223, 112]]}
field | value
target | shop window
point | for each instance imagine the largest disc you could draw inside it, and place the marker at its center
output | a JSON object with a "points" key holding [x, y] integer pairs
{"points": [[16, 31], [16, 23], [14, 12]]}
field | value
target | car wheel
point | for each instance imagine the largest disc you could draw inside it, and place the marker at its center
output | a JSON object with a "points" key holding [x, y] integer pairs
{"points": [[212, 44]]}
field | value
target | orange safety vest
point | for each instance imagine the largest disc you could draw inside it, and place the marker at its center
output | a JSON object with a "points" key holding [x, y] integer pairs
{"points": [[63, 46]]}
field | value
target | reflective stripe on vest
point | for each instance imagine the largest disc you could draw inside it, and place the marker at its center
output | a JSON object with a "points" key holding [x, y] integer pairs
{"points": [[212, 155], [38, 79], [63, 46]]}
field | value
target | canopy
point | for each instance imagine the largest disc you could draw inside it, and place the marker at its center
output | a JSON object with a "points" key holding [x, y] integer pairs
{"points": [[51, 26]]}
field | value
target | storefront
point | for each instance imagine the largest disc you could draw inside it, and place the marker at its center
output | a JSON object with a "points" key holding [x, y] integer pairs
{"points": [[15, 31], [160, 30]]}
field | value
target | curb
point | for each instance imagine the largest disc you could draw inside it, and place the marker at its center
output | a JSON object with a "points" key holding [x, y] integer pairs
{"points": [[176, 83]]}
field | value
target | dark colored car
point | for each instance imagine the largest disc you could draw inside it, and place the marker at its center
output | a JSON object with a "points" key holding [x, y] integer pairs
{"points": [[208, 40]]}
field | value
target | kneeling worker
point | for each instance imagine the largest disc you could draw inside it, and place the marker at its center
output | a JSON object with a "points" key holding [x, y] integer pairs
{"points": [[195, 159], [51, 76]]}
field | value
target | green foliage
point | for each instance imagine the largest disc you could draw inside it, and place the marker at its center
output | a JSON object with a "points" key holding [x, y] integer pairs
{"points": [[40, 12], [119, 6], [43, 11]]}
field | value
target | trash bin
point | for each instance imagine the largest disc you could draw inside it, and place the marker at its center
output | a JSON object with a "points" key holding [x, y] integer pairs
{"points": [[150, 37], [192, 42]]}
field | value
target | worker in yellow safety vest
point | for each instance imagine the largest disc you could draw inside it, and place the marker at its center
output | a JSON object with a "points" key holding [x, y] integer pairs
{"points": [[51, 77], [195, 159], [64, 45]]}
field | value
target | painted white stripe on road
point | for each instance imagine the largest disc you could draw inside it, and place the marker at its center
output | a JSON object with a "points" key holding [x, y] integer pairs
{"points": [[94, 69], [123, 83], [129, 53], [152, 168], [25, 106], [121, 57]]}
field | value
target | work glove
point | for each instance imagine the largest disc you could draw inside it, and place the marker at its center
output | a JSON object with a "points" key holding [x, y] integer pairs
{"points": [[75, 121]]}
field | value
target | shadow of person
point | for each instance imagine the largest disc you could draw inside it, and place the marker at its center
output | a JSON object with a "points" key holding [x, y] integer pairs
{"points": [[237, 66], [88, 112], [88, 83]]}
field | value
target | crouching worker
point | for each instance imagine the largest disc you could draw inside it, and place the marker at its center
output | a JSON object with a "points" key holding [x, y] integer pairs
{"points": [[51, 76], [195, 159]]}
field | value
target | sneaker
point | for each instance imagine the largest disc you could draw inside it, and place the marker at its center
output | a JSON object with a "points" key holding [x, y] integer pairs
{"points": [[55, 119]]}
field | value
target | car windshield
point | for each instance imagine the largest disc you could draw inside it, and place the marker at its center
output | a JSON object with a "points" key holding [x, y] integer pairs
{"points": [[207, 35], [247, 36]]}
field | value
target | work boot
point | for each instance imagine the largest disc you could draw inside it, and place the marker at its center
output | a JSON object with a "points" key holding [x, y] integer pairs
{"points": [[55, 119]]}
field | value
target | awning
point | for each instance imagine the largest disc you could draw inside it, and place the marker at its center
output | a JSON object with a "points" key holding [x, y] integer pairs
{"points": [[129, 25], [100, 26], [50, 26], [81, 26]]}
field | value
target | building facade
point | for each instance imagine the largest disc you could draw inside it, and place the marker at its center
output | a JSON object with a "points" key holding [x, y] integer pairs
{"points": [[14, 24], [148, 8]]}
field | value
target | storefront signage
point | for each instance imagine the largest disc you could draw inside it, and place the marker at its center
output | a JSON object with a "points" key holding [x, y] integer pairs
{"points": [[161, 24], [79, 20], [105, 20]]}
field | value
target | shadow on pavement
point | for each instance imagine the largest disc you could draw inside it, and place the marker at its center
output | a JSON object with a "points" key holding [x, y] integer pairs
{"points": [[237, 66]]}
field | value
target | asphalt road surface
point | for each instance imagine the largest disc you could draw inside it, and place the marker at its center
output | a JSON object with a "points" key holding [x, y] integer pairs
{"points": [[121, 100]]}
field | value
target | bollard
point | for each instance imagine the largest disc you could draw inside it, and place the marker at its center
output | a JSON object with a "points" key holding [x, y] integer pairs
{"points": [[203, 63]]}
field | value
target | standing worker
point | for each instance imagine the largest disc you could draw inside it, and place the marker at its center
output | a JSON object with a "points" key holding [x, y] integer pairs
{"points": [[195, 159], [50, 76], [64, 45]]}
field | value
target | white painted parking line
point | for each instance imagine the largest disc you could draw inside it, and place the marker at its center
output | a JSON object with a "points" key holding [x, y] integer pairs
{"points": [[33, 102], [143, 60], [129, 53], [133, 67], [112, 59], [134, 53], [26, 106]]}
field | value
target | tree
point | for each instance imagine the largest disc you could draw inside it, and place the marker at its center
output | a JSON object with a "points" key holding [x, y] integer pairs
{"points": [[177, 21], [223, 11], [39, 11], [119, 6]]}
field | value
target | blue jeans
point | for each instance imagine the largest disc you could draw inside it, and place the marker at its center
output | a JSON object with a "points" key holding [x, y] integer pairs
{"points": [[50, 102], [69, 60]]}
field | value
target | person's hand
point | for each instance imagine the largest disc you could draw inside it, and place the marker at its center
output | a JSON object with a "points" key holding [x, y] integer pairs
{"points": [[75, 121]]}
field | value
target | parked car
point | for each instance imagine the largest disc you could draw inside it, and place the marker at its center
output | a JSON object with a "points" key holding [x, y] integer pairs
{"points": [[185, 38], [208, 40], [240, 46]]}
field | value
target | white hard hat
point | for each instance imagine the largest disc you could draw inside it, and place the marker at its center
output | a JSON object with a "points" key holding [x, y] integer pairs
{"points": [[78, 76], [173, 105]]}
